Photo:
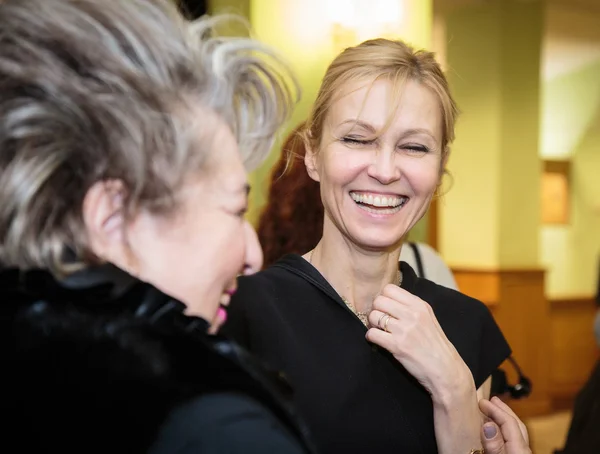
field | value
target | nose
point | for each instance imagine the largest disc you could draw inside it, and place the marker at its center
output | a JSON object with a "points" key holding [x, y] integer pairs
{"points": [[254, 254], [384, 167]]}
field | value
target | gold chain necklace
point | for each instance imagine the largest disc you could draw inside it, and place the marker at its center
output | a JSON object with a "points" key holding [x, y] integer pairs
{"points": [[362, 316]]}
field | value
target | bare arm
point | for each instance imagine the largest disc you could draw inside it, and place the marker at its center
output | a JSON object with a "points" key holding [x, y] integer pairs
{"points": [[457, 417], [458, 420], [484, 391]]}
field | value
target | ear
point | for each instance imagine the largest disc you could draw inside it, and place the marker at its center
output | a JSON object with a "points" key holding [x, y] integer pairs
{"points": [[444, 163], [445, 159], [443, 172], [312, 163], [104, 219]]}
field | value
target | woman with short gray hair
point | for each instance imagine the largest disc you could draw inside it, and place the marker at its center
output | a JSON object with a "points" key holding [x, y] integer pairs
{"points": [[124, 131]]}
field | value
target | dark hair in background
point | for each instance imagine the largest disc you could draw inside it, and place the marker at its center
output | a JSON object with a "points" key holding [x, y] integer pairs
{"points": [[193, 9], [292, 220]]}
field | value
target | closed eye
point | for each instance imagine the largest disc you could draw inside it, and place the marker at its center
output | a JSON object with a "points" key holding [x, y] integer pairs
{"points": [[415, 148], [357, 141]]}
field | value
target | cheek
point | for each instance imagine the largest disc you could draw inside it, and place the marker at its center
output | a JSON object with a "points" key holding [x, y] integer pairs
{"points": [[167, 254], [224, 252], [343, 167], [423, 175], [164, 260]]}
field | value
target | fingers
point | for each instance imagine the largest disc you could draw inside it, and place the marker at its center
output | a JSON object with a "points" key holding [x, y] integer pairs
{"points": [[393, 296], [381, 338], [415, 312], [381, 320], [389, 306], [491, 439], [499, 403], [398, 293], [512, 429]]}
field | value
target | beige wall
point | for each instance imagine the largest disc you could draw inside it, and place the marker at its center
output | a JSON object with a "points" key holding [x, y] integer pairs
{"points": [[570, 130], [490, 218]]}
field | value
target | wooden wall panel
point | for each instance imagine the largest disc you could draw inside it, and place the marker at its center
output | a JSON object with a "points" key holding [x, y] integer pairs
{"points": [[517, 301], [573, 347], [553, 341]]}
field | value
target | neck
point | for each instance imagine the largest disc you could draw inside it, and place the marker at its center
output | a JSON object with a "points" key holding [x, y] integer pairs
{"points": [[357, 274]]}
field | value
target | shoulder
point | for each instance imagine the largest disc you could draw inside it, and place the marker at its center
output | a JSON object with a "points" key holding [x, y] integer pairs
{"points": [[223, 422], [445, 301], [258, 301], [459, 315], [274, 284]]}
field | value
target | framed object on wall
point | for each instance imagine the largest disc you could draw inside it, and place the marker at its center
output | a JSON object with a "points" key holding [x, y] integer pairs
{"points": [[556, 192]]}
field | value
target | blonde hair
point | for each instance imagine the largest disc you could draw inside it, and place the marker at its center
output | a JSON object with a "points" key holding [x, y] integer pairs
{"points": [[94, 90], [376, 59]]}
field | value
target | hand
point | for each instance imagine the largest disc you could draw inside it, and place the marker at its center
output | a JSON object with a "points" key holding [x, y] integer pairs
{"points": [[507, 434], [417, 341]]}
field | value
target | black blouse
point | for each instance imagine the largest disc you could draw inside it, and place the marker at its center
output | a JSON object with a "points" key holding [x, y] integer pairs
{"points": [[355, 396]]}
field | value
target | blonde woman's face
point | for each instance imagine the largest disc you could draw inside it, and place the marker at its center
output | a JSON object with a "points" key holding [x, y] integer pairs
{"points": [[374, 190]]}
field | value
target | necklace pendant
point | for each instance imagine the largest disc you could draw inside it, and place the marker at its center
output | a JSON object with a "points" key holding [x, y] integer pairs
{"points": [[364, 318]]}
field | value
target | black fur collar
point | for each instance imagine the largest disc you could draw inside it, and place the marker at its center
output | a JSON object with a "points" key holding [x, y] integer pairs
{"points": [[87, 368]]}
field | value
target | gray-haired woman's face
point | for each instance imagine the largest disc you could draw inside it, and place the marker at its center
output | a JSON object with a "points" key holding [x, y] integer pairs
{"points": [[195, 253]]}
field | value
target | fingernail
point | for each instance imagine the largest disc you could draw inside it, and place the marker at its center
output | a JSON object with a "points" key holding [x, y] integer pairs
{"points": [[490, 431]]}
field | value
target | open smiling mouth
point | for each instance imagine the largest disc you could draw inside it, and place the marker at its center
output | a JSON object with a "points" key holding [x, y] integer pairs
{"points": [[377, 203]]}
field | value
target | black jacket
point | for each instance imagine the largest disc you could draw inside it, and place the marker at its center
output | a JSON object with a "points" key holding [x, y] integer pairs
{"points": [[100, 368]]}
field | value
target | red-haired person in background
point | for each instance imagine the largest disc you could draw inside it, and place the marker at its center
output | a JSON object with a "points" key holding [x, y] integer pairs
{"points": [[292, 220]]}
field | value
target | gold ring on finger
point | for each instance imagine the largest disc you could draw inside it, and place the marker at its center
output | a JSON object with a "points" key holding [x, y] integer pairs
{"points": [[385, 325], [380, 319]]}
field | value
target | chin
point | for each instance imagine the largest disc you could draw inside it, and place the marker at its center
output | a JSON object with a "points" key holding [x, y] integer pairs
{"points": [[377, 238], [379, 242]]}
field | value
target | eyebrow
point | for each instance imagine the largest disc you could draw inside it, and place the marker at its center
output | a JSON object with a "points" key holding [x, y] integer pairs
{"points": [[415, 131], [360, 123]]}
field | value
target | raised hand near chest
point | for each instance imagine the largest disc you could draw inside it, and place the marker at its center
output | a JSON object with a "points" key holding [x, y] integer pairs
{"points": [[406, 326]]}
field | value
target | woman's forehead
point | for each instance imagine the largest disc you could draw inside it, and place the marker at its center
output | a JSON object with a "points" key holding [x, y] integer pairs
{"points": [[373, 104]]}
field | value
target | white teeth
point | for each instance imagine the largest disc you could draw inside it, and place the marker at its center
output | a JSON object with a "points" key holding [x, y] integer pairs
{"points": [[379, 210], [378, 201], [224, 300]]}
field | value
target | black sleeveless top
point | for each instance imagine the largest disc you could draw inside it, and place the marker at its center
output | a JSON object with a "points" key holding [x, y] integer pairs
{"points": [[354, 396]]}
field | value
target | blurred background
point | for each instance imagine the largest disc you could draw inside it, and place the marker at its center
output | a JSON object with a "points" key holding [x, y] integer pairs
{"points": [[520, 223]]}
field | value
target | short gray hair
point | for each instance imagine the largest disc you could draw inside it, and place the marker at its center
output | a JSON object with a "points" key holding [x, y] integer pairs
{"points": [[93, 90]]}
